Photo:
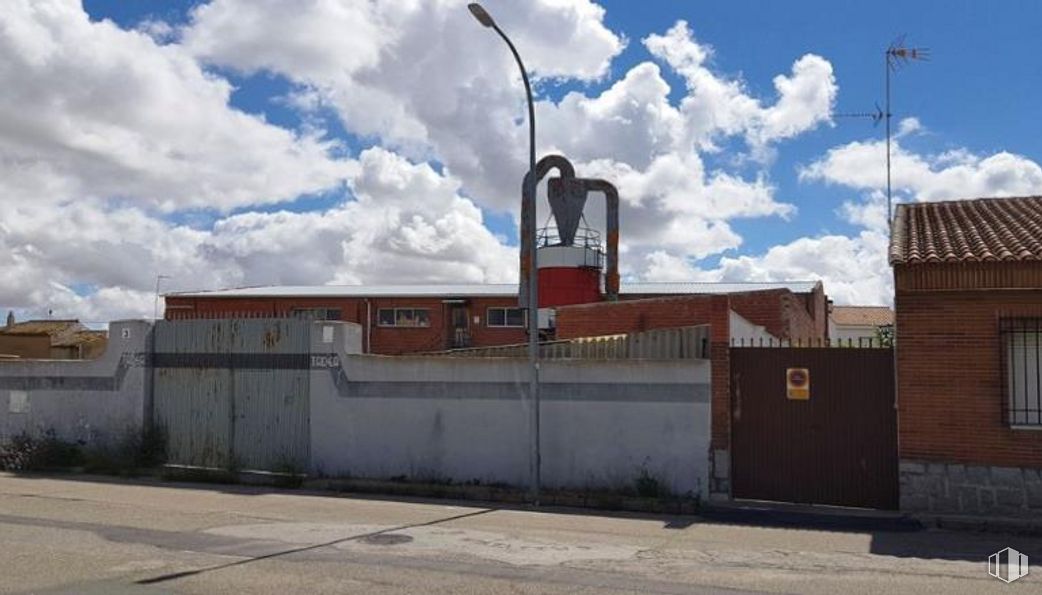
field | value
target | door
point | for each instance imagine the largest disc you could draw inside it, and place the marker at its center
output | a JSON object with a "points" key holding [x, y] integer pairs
{"points": [[814, 426], [459, 326]]}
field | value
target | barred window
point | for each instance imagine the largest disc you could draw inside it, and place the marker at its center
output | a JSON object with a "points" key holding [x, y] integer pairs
{"points": [[505, 317], [1022, 355], [404, 317]]}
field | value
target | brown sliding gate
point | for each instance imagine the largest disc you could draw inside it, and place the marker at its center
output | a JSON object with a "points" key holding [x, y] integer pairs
{"points": [[814, 425]]}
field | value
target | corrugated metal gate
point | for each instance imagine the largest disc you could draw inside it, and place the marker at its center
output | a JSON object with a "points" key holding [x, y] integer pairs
{"points": [[233, 393], [838, 446]]}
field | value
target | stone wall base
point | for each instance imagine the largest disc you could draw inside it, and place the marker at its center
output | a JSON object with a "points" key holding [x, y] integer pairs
{"points": [[720, 475], [951, 488]]}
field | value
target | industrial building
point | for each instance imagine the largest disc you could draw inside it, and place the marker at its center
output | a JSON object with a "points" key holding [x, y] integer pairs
{"points": [[580, 293], [401, 319]]}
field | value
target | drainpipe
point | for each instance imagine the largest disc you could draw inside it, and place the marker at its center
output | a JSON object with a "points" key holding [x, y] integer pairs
{"points": [[368, 326]]}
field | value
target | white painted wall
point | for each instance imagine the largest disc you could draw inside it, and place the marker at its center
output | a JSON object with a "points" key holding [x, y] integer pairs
{"points": [[844, 332], [80, 400], [467, 419], [744, 330]]}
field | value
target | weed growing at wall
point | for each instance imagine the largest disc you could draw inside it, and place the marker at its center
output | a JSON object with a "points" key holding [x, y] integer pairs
{"points": [[648, 486], [27, 453], [127, 454]]}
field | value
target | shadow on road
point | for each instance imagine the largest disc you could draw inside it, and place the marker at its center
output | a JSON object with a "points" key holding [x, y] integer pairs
{"points": [[891, 534]]}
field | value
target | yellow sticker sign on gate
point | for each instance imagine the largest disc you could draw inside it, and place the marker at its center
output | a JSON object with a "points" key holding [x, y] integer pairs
{"points": [[797, 384]]}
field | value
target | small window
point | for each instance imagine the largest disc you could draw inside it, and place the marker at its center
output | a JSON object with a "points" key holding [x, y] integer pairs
{"points": [[404, 317], [506, 317], [1022, 355], [317, 313]]}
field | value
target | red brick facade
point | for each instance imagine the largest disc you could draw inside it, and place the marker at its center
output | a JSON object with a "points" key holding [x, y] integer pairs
{"points": [[784, 314], [949, 377], [365, 311]]}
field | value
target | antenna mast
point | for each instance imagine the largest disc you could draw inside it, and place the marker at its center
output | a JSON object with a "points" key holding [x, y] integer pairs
{"points": [[897, 55]]}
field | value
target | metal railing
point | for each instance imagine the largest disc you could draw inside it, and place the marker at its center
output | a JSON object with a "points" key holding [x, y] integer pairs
{"points": [[807, 342], [690, 342], [584, 238], [1021, 344]]}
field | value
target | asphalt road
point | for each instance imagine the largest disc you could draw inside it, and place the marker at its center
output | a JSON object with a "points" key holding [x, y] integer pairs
{"points": [[73, 534]]}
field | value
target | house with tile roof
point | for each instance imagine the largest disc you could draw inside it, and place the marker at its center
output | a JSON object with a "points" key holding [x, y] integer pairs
{"points": [[859, 324], [50, 339], [968, 298]]}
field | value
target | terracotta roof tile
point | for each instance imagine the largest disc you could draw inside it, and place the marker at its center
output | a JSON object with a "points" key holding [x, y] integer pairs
{"points": [[862, 315], [978, 230], [42, 327], [80, 338]]}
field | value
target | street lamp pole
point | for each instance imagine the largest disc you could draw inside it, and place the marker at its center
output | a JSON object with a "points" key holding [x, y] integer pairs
{"points": [[528, 230]]}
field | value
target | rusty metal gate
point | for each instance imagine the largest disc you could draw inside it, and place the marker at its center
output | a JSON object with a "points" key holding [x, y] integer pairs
{"points": [[814, 425], [233, 393]]}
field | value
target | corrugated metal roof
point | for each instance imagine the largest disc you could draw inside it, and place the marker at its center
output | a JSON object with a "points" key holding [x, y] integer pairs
{"points": [[456, 290], [487, 290], [715, 288]]}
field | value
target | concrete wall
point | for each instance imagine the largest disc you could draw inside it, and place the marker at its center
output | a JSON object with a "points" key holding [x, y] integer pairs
{"points": [[466, 419], [87, 401], [852, 333]]}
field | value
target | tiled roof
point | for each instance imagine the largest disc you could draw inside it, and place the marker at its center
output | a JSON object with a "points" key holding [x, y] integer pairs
{"points": [[41, 327], [862, 315], [80, 338], [485, 290], [979, 230]]}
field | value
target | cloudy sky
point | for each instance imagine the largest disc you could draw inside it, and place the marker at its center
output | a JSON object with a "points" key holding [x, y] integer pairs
{"points": [[247, 142]]}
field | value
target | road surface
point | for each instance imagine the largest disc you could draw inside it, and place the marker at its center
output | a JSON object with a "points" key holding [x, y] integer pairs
{"points": [[80, 534]]}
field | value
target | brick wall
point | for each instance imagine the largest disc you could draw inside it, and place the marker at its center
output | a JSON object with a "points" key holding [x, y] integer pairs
{"points": [[608, 318], [784, 314], [949, 378]]}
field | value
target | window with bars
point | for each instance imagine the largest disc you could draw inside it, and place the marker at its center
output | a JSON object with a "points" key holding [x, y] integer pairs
{"points": [[505, 317], [1022, 370], [404, 317]]}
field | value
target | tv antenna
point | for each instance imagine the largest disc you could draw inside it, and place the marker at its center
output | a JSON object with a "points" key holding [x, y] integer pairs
{"points": [[876, 116], [898, 55]]}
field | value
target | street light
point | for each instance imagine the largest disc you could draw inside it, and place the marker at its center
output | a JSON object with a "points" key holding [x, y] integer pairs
{"points": [[528, 257]]}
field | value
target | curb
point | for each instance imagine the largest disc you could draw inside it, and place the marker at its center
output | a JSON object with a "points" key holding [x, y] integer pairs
{"points": [[1006, 525], [509, 495]]}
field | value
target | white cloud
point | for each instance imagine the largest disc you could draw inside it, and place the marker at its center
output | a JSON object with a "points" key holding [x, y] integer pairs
{"points": [[408, 224], [105, 133], [716, 105], [118, 116], [854, 270], [946, 176]]}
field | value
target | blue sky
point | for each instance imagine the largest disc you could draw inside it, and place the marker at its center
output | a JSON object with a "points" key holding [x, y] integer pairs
{"points": [[271, 179]]}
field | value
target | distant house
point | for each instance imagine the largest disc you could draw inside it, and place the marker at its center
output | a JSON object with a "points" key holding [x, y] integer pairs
{"points": [[50, 339], [859, 323], [968, 285]]}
